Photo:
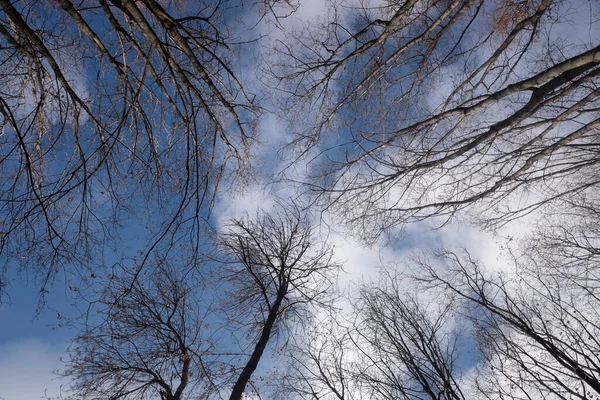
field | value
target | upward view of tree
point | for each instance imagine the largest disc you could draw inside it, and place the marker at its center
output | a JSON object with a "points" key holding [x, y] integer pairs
{"points": [[426, 110], [111, 110], [168, 335], [537, 329], [444, 105], [125, 122], [280, 275], [533, 334], [150, 339], [392, 346]]}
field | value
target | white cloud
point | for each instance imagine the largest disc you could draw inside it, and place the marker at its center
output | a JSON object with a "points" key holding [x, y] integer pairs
{"points": [[247, 202], [26, 370], [309, 9]]}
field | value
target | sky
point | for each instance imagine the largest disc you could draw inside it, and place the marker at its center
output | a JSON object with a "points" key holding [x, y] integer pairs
{"points": [[31, 344]]}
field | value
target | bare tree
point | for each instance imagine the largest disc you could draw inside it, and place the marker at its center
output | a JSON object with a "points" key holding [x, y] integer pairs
{"points": [[410, 348], [280, 273], [394, 345], [423, 108], [116, 112], [537, 328], [175, 331], [146, 340], [320, 364], [455, 331]]}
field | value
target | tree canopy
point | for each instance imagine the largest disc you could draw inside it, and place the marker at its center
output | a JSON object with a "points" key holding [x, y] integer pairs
{"points": [[125, 125]]}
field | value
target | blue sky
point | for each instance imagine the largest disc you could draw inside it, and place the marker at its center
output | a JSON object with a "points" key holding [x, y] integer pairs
{"points": [[31, 345], [31, 349], [31, 341]]}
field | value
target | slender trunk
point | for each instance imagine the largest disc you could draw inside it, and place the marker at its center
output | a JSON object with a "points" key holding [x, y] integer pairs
{"points": [[242, 381]]}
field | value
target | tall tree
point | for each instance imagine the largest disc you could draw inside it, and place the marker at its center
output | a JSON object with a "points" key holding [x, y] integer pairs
{"points": [[181, 332], [116, 112], [279, 273], [421, 108], [455, 330], [393, 344], [147, 339], [537, 328]]}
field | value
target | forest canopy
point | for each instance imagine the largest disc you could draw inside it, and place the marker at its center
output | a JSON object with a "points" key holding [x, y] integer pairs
{"points": [[133, 133]]}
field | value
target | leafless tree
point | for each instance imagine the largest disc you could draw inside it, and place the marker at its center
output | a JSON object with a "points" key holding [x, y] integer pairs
{"points": [[454, 330], [279, 273], [421, 108], [181, 332], [393, 346], [320, 365], [116, 112], [537, 328], [145, 340]]}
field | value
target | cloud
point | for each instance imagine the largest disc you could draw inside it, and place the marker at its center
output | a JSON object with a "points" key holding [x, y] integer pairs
{"points": [[238, 205], [26, 370]]}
